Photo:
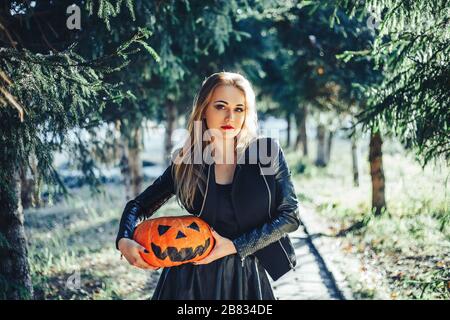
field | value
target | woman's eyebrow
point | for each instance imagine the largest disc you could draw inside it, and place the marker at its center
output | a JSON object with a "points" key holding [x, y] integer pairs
{"points": [[240, 104]]}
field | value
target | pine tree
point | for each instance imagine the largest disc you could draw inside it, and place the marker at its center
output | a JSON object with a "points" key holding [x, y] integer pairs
{"points": [[412, 50], [44, 96]]}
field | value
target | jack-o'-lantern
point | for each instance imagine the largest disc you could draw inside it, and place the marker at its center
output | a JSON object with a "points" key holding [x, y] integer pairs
{"points": [[171, 241]]}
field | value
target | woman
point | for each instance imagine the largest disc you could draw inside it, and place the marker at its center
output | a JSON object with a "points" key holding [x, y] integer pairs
{"points": [[239, 184]]}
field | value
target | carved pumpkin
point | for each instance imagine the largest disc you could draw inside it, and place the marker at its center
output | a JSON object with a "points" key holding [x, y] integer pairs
{"points": [[171, 241]]}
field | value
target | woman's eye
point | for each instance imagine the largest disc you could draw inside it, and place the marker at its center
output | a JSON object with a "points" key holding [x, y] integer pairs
{"points": [[221, 107]]}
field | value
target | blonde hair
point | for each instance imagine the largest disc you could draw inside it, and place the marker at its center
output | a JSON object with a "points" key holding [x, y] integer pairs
{"points": [[188, 174]]}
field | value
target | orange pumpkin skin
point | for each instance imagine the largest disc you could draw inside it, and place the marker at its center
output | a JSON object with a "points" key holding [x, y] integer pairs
{"points": [[172, 241]]}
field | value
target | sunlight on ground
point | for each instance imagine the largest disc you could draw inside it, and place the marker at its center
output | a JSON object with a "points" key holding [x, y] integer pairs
{"points": [[78, 234]]}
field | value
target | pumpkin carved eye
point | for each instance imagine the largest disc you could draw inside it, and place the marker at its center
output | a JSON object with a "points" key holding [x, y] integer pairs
{"points": [[194, 226], [163, 229]]}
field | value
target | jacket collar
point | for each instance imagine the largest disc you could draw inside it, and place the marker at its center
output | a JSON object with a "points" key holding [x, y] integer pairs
{"points": [[243, 157]]}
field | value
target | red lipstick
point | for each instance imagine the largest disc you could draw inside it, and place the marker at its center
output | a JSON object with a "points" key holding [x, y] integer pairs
{"points": [[227, 127]]}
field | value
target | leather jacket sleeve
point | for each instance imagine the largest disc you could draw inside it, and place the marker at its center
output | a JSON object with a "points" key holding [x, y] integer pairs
{"points": [[287, 218], [145, 204]]}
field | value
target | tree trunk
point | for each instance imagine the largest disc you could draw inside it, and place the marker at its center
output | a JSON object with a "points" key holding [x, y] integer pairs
{"points": [[355, 165], [301, 130], [288, 130], [124, 165], [170, 127], [27, 187], [37, 178], [320, 160], [376, 172], [135, 162], [329, 144], [15, 278], [30, 185]]}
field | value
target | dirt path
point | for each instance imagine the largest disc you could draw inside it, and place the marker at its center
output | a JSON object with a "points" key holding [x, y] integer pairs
{"points": [[311, 279]]}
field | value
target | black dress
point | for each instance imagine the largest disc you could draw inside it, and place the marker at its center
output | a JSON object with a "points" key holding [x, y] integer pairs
{"points": [[223, 279]]}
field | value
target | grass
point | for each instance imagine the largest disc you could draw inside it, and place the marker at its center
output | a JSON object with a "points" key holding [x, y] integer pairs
{"points": [[410, 242], [72, 249]]}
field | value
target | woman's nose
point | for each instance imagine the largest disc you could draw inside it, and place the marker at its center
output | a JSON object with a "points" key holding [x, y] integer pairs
{"points": [[229, 116]]}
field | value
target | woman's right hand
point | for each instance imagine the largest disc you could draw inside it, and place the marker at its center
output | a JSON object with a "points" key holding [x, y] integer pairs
{"points": [[130, 250]]}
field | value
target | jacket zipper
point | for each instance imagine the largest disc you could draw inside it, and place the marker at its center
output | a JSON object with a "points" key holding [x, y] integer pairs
{"points": [[270, 216], [236, 173], [259, 280], [206, 192]]}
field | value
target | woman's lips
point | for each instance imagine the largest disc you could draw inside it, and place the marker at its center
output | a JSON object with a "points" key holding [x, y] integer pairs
{"points": [[227, 127]]}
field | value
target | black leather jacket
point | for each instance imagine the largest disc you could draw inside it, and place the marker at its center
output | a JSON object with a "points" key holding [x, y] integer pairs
{"points": [[263, 197]]}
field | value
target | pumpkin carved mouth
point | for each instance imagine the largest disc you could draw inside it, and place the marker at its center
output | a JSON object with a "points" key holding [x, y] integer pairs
{"points": [[180, 255]]}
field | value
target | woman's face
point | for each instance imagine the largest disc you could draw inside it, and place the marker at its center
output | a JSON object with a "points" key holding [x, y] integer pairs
{"points": [[226, 111]]}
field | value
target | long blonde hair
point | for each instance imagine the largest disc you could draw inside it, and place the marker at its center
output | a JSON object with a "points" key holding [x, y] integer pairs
{"points": [[187, 174]]}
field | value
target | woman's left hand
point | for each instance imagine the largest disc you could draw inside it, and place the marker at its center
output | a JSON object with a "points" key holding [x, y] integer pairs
{"points": [[223, 247]]}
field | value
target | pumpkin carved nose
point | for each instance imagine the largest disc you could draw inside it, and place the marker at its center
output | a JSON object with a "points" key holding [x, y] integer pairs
{"points": [[180, 235]]}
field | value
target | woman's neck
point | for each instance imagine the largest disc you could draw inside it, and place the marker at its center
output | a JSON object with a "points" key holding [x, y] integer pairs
{"points": [[225, 151]]}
